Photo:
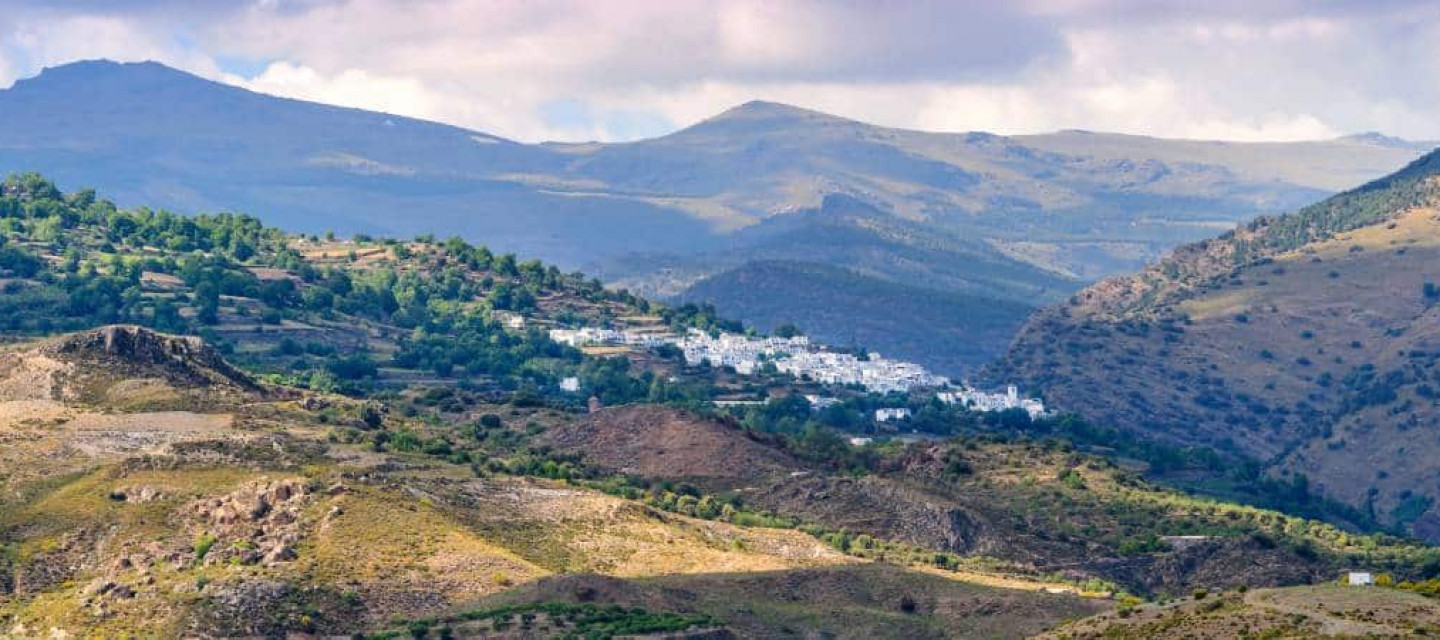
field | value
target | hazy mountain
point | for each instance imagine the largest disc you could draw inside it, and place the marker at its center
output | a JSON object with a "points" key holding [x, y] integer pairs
{"points": [[153, 135], [1309, 340], [1028, 218]]}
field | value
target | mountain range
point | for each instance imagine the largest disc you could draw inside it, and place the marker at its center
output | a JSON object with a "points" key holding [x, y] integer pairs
{"points": [[1026, 219]]}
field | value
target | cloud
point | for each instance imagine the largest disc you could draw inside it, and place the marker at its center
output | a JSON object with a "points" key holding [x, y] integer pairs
{"points": [[574, 70]]}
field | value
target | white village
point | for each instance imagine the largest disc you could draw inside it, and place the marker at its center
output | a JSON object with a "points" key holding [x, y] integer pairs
{"points": [[805, 360]]}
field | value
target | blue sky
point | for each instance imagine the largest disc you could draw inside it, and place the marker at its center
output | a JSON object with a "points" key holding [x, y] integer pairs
{"points": [[620, 70]]}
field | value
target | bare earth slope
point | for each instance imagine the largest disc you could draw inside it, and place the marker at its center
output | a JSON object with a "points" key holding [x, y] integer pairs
{"points": [[668, 443]]}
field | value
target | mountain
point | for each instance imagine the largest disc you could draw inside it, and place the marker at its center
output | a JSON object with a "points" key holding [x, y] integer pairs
{"points": [[1306, 340], [658, 215], [845, 271], [149, 134]]}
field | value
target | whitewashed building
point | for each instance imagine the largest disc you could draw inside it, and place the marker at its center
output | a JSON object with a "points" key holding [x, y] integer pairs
{"points": [[982, 401], [818, 402], [570, 384], [1360, 579], [892, 413]]}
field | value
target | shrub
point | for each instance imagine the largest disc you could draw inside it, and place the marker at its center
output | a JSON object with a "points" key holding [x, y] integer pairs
{"points": [[203, 544]]}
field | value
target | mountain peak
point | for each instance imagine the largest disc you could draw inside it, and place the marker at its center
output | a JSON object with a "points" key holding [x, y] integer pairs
{"points": [[82, 80], [767, 109], [104, 68], [760, 114], [1378, 139]]}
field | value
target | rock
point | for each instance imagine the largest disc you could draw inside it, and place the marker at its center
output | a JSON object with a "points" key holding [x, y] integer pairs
{"points": [[97, 587], [282, 553], [136, 494]]}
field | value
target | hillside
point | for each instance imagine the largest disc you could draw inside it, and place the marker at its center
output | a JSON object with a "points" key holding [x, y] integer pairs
{"points": [[1327, 611], [296, 434], [990, 504], [252, 518], [322, 313], [947, 332], [283, 511], [1017, 218], [1306, 340]]}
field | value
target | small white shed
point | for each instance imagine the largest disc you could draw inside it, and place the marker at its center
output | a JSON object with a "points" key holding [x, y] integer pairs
{"points": [[1360, 579]]}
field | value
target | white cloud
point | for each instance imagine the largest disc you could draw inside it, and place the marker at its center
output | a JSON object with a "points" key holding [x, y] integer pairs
{"points": [[8, 74], [349, 88]]}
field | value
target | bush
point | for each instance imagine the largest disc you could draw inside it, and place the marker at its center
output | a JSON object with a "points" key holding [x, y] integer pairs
{"points": [[203, 544]]}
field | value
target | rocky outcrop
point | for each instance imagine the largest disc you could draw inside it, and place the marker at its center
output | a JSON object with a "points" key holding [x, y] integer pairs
{"points": [[877, 506], [178, 359], [1215, 564], [256, 524]]}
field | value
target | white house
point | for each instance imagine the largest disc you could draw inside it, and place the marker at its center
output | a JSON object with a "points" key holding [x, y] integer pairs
{"points": [[570, 384], [1360, 579], [513, 321], [860, 442], [818, 402], [891, 413]]}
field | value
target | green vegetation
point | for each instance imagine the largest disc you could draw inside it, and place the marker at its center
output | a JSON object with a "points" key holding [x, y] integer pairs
{"points": [[76, 261], [203, 544], [1369, 204]]}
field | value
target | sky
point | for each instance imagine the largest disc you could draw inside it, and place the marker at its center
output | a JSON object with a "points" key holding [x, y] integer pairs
{"points": [[616, 70]]}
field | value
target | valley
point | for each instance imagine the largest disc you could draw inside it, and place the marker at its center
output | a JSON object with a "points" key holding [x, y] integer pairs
{"points": [[733, 320], [976, 227], [372, 436]]}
